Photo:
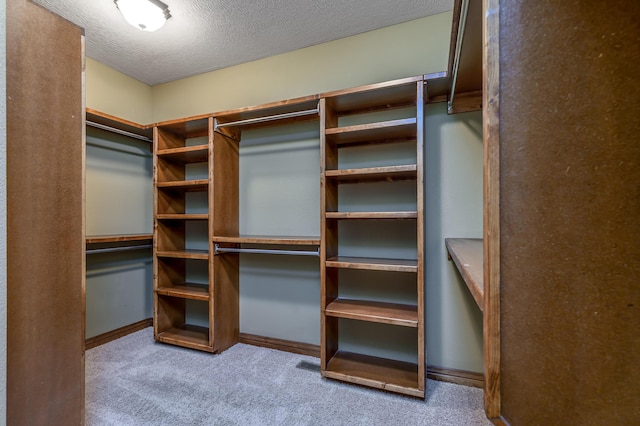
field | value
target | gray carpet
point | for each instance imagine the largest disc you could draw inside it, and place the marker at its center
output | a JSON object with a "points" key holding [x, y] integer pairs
{"points": [[135, 381]]}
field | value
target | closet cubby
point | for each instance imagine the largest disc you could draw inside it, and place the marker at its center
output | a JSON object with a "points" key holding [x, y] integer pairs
{"points": [[391, 115]]}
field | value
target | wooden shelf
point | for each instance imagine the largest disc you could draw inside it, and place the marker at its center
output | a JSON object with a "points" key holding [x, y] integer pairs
{"points": [[380, 132], [371, 215], [186, 154], [373, 174], [264, 239], [185, 185], [112, 121], [386, 313], [182, 216], [275, 113], [372, 264], [186, 291], [185, 254], [395, 94], [118, 238], [186, 128], [380, 373], [467, 254], [188, 336]]}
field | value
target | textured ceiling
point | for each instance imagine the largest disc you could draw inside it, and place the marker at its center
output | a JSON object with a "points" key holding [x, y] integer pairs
{"points": [[205, 35]]}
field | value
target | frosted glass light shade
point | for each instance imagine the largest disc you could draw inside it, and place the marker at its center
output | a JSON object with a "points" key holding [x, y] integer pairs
{"points": [[146, 15]]}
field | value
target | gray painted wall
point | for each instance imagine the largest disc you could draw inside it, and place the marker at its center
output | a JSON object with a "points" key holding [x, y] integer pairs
{"points": [[3, 215], [119, 200]]}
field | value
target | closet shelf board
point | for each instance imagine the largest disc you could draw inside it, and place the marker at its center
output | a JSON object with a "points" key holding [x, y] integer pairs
{"points": [[186, 291], [182, 216], [267, 240], [118, 238], [381, 312], [185, 254], [187, 154], [188, 336], [379, 132], [468, 256], [198, 185], [380, 373], [373, 174], [371, 215], [372, 264]]}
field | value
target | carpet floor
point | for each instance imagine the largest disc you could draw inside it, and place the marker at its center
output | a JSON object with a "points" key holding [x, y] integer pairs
{"points": [[135, 381]]}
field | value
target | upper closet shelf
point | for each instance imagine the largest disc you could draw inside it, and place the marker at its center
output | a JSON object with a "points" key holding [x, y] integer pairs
{"points": [[276, 113], [373, 174], [118, 242], [467, 254], [117, 125], [186, 154]]}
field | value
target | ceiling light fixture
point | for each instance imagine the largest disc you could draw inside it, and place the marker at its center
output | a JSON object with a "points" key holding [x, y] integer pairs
{"points": [[145, 15]]}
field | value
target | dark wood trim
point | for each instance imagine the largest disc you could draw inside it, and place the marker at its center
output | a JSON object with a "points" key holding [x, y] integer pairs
{"points": [[500, 421], [491, 219], [449, 375], [280, 344], [109, 336], [459, 377]]}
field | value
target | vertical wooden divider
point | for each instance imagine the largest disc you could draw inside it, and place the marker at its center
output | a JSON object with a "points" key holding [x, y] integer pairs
{"points": [[224, 221], [420, 99]]}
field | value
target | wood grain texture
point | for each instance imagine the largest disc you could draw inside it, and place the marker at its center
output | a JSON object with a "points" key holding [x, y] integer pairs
{"points": [[467, 254], [372, 264], [385, 313], [491, 219], [373, 174], [379, 132], [372, 215], [452, 375], [569, 209], [118, 123], [394, 376], [420, 250], [118, 238], [45, 217], [269, 240]]}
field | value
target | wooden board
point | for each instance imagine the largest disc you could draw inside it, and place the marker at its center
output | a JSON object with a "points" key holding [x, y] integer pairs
{"points": [[118, 238], [569, 208], [380, 132], [395, 376], [372, 264], [371, 215], [467, 254], [45, 217], [373, 174], [385, 313], [269, 240]]}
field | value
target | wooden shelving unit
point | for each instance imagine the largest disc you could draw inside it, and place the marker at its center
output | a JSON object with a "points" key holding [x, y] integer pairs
{"points": [[177, 155], [364, 369]]}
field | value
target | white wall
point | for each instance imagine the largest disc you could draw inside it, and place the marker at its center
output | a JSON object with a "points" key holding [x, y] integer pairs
{"points": [[3, 216]]}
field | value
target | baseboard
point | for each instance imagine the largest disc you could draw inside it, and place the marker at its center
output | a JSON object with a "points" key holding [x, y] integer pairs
{"points": [[451, 375], [280, 344], [107, 337]]}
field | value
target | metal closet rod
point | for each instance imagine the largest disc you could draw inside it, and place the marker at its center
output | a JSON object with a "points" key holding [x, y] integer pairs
{"points": [[456, 60], [316, 110], [114, 249], [219, 249], [119, 131]]}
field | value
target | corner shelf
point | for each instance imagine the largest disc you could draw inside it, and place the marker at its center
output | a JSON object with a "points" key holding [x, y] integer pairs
{"points": [[381, 132], [371, 215], [189, 336], [468, 256], [186, 291]]}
